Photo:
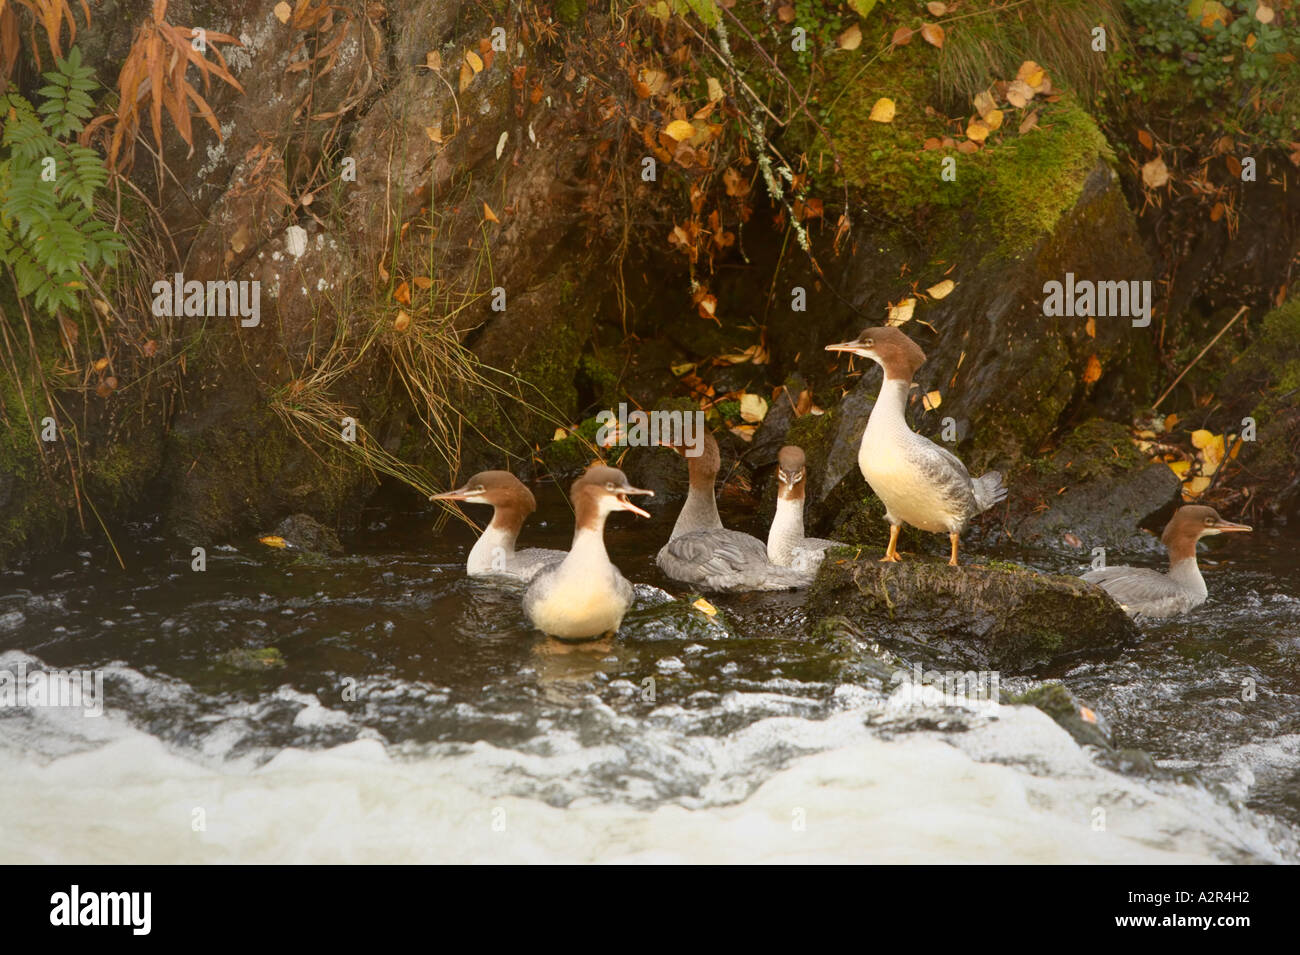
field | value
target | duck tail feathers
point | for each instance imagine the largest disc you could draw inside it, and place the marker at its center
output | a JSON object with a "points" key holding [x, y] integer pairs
{"points": [[989, 490]]}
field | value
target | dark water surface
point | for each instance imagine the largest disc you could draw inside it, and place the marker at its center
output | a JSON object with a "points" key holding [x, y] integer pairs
{"points": [[271, 652]]}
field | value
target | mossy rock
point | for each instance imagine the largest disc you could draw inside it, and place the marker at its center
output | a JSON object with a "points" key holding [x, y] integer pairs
{"points": [[1016, 621]]}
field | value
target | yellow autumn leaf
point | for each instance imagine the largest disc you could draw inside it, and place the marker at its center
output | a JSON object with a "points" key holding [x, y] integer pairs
{"points": [[1090, 326], [273, 541], [466, 77], [433, 60], [851, 38], [703, 606], [993, 119], [474, 60], [901, 313], [883, 111], [1179, 468], [283, 11], [1093, 370], [1195, 487], [753, 408], [402, 322], [942, 289], [1264, 14], [489, 215], [1201, 438], [931, 400], [679, 129], [978, 130], [984, 103], [715, 90], [1031, 74]]}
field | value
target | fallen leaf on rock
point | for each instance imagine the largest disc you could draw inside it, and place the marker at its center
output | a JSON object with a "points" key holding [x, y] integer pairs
{"points": [[283, 11], [901, 313], [931, 400], [753, 408], [433, 60], [704, 607], [1093, 370], [942, 289], [272, 540], [474, 60], [489, 215]]}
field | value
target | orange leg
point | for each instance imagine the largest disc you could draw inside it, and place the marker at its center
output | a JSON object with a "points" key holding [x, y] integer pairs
{"points": [[952, 562], [891, 552]]}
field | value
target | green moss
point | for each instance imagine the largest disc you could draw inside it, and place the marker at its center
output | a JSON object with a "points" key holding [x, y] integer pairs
{"points": [[570, 12], [574, 452], [1016, 186]]}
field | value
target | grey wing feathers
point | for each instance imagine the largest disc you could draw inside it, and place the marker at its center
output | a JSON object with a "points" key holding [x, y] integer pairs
{"points": [[726, 560], [1141, 590]]}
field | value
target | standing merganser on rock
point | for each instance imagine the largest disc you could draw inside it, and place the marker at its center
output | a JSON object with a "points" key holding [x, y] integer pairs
{"points": [[786, 545], [702, 552], [919, 482], [494, 552], [584, 596], [1149, 593]]}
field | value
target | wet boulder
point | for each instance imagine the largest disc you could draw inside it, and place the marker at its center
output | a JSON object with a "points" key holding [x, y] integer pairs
{"points": [[998, 616], [305, 533]]}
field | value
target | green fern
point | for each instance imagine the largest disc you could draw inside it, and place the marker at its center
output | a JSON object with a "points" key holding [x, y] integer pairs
{"points": [[48, 183]]}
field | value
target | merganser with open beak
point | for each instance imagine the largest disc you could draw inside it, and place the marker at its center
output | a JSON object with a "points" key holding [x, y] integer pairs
{"points": [[786, 545], [494, 552], [584, 596], [919, 482], [1143, 592], [700, 551]]}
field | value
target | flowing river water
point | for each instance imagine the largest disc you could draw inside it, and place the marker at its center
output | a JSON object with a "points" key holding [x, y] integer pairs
{"points": [[382, 707]]}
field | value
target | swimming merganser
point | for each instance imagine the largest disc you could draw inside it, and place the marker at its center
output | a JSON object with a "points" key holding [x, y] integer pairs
{"points": [[1149, 593], [494, 552], [702, 552], [919, 482], [786, 544], [584, 596]]}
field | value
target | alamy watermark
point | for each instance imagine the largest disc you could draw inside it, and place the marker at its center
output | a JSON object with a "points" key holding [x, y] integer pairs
{"points": [[220, 299], [83, 689], [1088, 299], [644, 429], [972, 689]]}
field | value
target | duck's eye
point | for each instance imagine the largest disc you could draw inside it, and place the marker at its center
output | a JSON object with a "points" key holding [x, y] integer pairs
{"points": [[480, 489], [866, 342], [609, 485], [1210, 522]]}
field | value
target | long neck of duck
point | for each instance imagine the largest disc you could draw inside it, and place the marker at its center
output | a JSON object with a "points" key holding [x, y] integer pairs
{"points": [[786, 531], [888, 414], [588, 548], [700, 512], [496, 546], [1183, 569]]}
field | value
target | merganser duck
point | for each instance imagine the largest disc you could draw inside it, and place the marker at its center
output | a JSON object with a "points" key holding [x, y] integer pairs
{"points": [[1149, 593], [700, 551], [786, 545], [584, 596], [919, 482], [494, 552]]}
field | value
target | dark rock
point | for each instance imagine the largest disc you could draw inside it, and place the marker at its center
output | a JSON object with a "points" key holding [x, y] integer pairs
{"points": [[1061, 705], [305, 533], [998, 617]]}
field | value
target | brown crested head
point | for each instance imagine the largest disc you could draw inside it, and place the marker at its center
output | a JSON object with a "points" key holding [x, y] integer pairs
{"points": [[889, 348], [1192, 522], [600, 490], [791, 472], [505, 492]]}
